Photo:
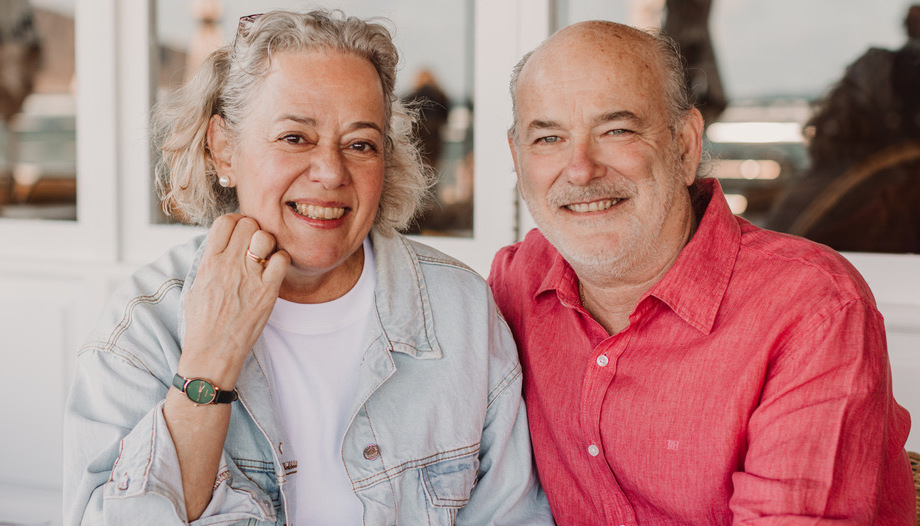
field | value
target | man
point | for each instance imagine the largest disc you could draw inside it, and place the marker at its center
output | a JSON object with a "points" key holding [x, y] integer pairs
{"points": [[681, 365]]}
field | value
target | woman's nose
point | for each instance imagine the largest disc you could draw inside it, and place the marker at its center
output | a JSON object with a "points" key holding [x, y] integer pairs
{"points": [[327, 166]]}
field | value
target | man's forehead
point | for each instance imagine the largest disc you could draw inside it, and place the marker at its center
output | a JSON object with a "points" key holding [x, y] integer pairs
{"points": [[593, 49]]}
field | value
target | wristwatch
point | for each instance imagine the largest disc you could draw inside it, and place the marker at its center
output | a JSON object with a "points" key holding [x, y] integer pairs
{"points": [[203, 392]]}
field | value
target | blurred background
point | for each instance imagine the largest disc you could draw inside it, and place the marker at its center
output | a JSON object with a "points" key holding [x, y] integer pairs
{"points": [[760, 71]]}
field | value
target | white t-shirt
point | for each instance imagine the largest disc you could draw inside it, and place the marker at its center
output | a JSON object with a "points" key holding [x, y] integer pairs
{"points": [[315, 352]]}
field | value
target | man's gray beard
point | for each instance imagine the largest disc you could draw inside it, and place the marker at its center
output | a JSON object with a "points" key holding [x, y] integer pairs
{"points": [[607, 262]]}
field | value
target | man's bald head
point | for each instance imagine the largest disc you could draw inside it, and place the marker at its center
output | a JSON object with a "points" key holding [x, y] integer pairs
{"points": [[615, 40]]}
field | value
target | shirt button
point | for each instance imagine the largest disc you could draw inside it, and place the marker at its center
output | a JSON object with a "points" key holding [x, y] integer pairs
{"points": [[593, 450], [602, 360], [371, 452]]}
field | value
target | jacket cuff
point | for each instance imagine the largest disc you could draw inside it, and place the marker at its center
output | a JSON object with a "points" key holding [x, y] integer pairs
{"points": [[148, 467]]}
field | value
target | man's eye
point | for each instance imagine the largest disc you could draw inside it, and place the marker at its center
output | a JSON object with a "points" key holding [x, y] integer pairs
{"points": [[619, 131], [550, 139]]}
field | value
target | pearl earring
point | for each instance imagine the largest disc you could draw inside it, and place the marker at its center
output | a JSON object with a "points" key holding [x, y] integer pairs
{"points": [[224, 181]]}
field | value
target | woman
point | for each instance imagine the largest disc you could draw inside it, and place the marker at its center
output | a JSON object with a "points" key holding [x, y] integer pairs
{"points": [[303, 364]]}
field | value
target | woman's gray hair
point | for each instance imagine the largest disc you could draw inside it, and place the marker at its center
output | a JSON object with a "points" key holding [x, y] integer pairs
{"points": [[227, 82]]}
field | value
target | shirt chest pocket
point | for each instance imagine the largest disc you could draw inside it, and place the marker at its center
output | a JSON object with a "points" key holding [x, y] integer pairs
{"points": [[449, 483]]}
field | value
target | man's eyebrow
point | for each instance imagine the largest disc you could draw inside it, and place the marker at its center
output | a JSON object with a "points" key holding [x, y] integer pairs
{"points": [[540, 124], [623, 115]]}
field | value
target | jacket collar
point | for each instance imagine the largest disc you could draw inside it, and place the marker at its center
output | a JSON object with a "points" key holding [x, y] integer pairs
{"points": [[402, 307], [401, 298]]}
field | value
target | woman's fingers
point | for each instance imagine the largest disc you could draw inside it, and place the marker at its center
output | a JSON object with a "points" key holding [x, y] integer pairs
{"points": [[220, 232], [276, 267], [243, 230], [261, 246], [231, 287]]}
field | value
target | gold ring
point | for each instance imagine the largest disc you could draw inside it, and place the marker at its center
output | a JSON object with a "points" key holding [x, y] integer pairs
{"points": [[257, 259]]}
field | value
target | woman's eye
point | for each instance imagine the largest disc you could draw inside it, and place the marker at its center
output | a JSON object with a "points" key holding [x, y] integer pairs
{"points": [[362, 146], [292, 139]]}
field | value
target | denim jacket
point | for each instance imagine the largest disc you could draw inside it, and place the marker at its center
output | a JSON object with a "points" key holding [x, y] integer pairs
{"points": [[438, 433]]}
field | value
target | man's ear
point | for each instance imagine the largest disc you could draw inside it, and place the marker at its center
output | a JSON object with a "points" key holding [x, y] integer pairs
{"points": [[219, 146], [517, 170], [690, 142]]}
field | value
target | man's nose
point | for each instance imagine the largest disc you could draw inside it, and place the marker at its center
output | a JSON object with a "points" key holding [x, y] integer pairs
{"points": [[327, 167], [583, 165]]}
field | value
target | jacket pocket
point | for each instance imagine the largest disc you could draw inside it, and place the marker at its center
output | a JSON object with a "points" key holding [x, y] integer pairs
{"points": [[448, 483]]}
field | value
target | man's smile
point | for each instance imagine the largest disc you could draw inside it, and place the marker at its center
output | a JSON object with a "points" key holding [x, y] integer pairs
{"points": [[593, 206]]}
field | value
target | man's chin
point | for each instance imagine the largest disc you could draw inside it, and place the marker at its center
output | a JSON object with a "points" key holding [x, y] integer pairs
{"points": [[587, 253]]}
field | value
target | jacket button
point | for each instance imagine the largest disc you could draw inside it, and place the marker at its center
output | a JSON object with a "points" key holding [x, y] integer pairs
{"points": [[371, 452]]}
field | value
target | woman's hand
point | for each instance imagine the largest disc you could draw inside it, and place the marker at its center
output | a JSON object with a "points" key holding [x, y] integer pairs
{"points": [[231, 299]]}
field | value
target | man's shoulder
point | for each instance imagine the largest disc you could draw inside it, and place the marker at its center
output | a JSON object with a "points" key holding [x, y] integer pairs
{"points": [[794, 260], [518, 270], [524, 262]]}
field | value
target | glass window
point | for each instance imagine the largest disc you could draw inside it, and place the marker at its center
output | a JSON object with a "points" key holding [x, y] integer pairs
{"points": [[436, 70], [813, 109], [37, 110]]}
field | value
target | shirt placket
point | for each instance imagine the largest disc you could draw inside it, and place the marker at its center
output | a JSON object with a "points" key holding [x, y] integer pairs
{"points": [[600, 374]]}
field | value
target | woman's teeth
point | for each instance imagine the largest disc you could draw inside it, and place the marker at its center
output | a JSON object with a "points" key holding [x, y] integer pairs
{"points": [[594, 206], [318, 212]]}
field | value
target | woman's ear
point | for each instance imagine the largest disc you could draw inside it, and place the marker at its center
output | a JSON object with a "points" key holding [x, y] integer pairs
{"points": [[219, 146]]}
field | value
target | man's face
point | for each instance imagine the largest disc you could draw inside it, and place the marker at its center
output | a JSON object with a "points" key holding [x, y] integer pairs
{"points": [[597, 162]]}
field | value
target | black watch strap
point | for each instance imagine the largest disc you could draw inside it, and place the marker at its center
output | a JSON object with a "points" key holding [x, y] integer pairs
{"points": [[202, 391]]}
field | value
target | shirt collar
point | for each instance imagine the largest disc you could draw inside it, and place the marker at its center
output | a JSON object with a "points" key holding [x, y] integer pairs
{"points": [[694, 286], [560, 277]]}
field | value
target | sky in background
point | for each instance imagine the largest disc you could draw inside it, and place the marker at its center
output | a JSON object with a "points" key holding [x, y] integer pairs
{"points": [[765, 48]]}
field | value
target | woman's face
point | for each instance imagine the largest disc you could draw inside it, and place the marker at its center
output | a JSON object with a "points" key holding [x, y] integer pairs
{"points": [[309, 163]]}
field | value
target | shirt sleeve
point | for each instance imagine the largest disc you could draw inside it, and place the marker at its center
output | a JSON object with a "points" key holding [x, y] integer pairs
{"points": [[121, 465], [825, 444], [508, 491]]}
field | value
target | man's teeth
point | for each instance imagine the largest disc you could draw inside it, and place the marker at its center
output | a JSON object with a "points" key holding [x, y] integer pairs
{"points": [[593, 206], [319, 212]]}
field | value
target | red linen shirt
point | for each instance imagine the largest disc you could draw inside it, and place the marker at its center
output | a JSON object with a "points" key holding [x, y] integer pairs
{"points": [[752, 386]]}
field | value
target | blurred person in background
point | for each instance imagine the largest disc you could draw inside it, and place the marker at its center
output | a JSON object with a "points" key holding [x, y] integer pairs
{"points": [[862, 191]]}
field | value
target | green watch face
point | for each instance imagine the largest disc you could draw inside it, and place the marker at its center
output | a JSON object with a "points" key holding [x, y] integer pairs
{"points": [[200, 391]]}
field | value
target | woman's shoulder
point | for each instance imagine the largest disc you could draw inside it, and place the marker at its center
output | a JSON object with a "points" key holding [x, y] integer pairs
{"points": [[145, 307], [173, 267], [429, 255], [400, 251]]}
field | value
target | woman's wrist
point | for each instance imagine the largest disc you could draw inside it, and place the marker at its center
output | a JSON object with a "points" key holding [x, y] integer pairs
{"points": [[218, 370]]}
